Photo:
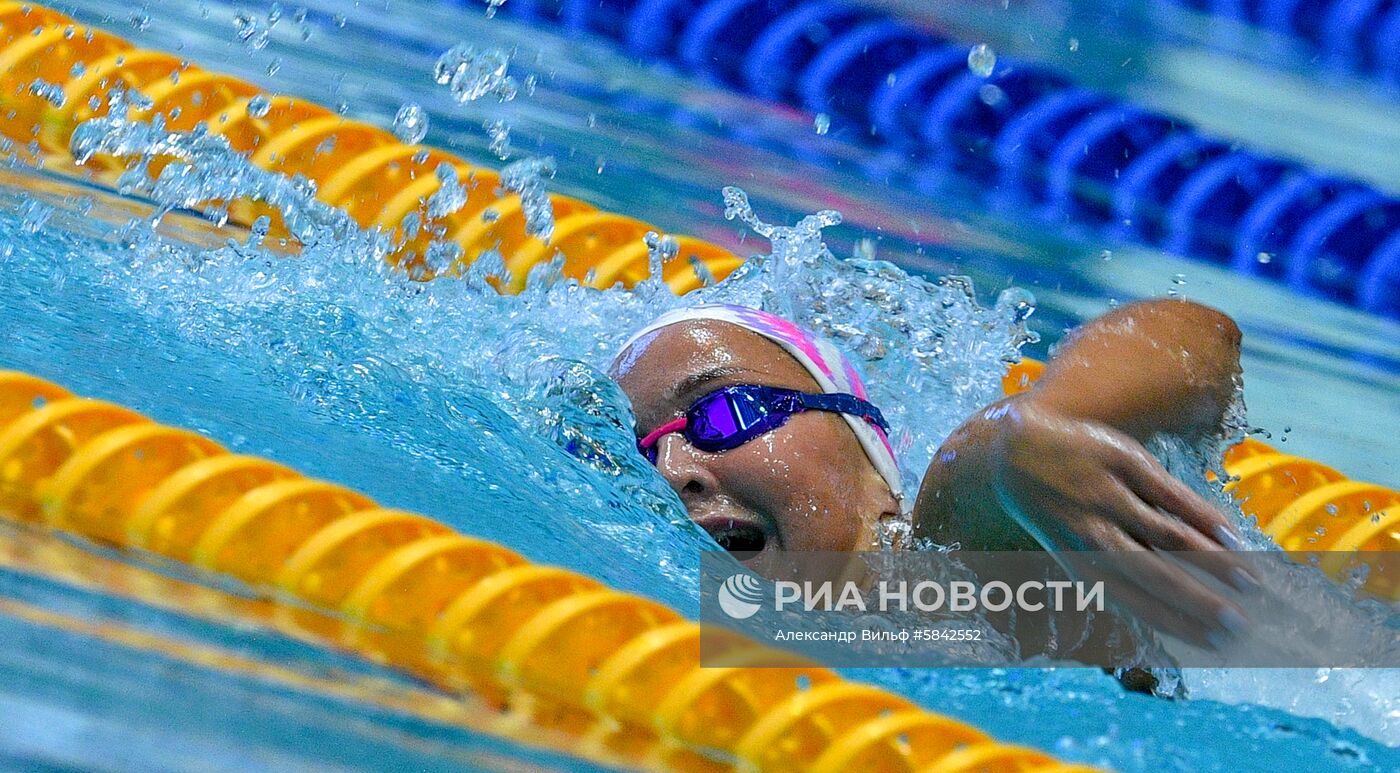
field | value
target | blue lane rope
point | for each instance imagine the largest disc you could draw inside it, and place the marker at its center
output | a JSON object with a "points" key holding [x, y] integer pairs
{"points": [[1355, 36], [1072, 156]]}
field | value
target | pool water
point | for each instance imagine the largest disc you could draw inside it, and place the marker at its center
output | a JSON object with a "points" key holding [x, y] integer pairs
{"points": [[497, 417]]}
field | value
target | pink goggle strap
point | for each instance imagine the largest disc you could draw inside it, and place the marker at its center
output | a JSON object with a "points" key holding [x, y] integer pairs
{"points": [[653, 437]]}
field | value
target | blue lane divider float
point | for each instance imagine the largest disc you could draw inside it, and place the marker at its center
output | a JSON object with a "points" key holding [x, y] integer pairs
{"points": [[1044, 145], [1356, 36]]}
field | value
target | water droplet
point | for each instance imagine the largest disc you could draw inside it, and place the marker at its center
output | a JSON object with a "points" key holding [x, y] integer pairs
{"points": [[526, 177], [140, 22], [450, 197], [1264, 258], [1017, 303], [822, 123], [499, 132], [981, 60], [258, 231], [1073, 44], [660, 251], [991, 94], [274, 67], [249, 31], [259, 105], [492, 6], [864, 249], [1106, 255], [51, 92], [472, 74], [411, 123], [1178, 279]]}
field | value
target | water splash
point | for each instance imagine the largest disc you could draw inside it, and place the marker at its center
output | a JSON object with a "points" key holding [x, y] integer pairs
{"points": [[471, 74], [204, 173], [501, 401], [451, 194], [526, 177]]}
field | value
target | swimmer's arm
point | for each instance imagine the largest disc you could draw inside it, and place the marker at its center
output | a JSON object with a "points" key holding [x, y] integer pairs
{"points": [[1064, 467], [1168, 366], [1162, 366]]}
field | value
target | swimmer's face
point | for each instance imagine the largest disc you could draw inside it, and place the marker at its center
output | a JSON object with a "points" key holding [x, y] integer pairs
{"points": [[807, 485]]}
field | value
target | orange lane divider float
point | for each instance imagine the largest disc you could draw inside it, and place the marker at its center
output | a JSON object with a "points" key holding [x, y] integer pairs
{"points": [[1306, 506], [384, 183], [547, 648], [56, 73]]}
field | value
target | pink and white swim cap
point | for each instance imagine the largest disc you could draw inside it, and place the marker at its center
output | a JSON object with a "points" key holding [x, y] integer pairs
{"points": [[832, 370]]}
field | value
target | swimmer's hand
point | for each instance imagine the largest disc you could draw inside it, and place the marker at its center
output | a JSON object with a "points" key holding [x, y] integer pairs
{"points": [[1024, 476], [1064, 466]]}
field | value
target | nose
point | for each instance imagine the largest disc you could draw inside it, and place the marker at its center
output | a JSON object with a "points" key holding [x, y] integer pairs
{"points": [[681, 466]]}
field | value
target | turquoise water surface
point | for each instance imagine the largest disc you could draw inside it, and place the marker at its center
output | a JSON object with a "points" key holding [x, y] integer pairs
{"points": [[492, 414]]}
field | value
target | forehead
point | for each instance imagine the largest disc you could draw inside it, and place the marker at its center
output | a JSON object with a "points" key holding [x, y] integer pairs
{"points": [[656, 363]]}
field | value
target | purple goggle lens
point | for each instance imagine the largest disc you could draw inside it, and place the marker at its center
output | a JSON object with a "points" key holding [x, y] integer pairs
{"points": [[732, 416]]}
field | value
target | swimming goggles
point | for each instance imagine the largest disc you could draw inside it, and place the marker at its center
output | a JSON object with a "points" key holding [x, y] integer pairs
{"points": [[732, 416]]}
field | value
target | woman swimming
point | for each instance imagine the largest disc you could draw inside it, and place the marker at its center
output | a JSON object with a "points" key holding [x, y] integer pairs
{"points": [[765, 433]]}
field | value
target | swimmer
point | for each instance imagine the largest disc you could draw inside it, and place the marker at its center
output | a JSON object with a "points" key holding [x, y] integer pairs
{"points": [[765, 433]]}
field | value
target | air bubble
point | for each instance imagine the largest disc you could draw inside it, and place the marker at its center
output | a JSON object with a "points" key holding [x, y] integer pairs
{"points": [[822, 123], [259, 106]]}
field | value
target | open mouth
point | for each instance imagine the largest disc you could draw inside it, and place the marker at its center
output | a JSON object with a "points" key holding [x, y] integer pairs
{"points": [[742, 539]]}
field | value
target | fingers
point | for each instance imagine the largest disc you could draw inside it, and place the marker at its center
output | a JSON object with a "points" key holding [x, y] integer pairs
{"points": [[1165, 595], [1156, 529], [1159, 488], [1143, 606]]}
